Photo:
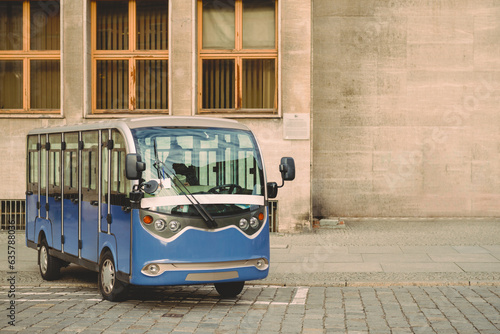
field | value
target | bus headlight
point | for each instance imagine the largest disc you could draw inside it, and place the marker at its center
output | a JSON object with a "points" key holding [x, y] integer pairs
{"points": [[254, 223], [160, 225], [174, 225], [243, 224]]}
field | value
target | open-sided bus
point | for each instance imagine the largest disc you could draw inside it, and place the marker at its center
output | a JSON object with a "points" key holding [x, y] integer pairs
{"points": [[152, 201]]}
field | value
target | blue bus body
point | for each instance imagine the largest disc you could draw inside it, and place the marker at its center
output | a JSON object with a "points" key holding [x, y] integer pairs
{"points": [[208, 226]]}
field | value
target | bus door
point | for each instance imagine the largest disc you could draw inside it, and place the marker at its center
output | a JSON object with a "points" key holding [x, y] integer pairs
{"points": [[32, 162], [70, 194], [42, 212], [119, 204], [54, 198], [107, 146], [90, 201]]}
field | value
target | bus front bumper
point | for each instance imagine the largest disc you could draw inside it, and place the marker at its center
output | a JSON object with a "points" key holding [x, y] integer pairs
{"points": [[157, 273]]}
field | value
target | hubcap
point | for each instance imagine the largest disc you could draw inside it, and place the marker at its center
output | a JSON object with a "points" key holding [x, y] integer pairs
{"points": [[43, 259], [108, 276]]}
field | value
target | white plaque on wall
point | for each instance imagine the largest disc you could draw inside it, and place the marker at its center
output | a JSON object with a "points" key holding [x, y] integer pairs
{"points": [[296, 126]]}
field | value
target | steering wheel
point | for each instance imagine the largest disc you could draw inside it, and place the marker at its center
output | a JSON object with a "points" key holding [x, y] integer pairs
{"points": [[226, 189]]}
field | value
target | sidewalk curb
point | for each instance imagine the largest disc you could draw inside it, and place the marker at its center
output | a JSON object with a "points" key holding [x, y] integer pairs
{"points": [[388, 284]]}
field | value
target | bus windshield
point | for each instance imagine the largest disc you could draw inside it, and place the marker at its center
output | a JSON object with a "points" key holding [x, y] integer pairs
{"points": [[221, 168]]}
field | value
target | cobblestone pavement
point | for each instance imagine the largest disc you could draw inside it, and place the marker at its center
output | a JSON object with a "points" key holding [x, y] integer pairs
{"points": [[259, 309]]}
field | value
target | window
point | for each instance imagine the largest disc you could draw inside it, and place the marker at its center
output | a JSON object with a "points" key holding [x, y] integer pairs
{"points": [[30, 57], [71, 165], [32, 167], [129, 56], [89, 162], [238, 56], [54, 164]]}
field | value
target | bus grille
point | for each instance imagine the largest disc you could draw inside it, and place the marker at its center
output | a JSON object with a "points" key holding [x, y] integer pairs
{"points": [[273, 216], [13, 211]]}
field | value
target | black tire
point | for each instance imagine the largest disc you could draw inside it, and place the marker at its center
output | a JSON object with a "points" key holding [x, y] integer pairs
{"points": [[50, 266], [109, 286], [230, 289]]}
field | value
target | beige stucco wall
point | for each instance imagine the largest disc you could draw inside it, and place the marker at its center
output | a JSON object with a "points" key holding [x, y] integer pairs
{"points": [[295, 57], [406, 108]]}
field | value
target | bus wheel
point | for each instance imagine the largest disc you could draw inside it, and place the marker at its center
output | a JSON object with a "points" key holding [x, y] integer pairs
{"points": [[230, 289], [110, 288], [49, 266]]}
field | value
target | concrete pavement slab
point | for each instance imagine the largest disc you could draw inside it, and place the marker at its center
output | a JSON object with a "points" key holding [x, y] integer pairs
{"points": [[422, 267], [399, 258], [480, 267], [471, 250], [428, 250], [463, 258], [492, 248], [375, 250], [319, 248]]}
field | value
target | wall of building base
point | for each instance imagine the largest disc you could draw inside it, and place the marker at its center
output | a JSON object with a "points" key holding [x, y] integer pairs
{"points": [[405, 108]]}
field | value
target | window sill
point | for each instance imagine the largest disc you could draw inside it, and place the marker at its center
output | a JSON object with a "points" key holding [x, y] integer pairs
{"points": [[32, 115], [107, 115], [242, 114]]}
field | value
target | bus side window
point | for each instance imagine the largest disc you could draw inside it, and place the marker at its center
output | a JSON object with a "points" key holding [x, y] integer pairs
{"points": [[32, 172], [71, 166], [106, 145], [55, 165], [89, 161], [120, 186]]}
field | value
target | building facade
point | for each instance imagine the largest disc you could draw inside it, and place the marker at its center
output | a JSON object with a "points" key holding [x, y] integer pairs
{"points": [[74, 61], [388, 107]]}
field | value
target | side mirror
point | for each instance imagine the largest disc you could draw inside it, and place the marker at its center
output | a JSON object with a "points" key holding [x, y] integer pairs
{"points": [[272, 190], [287, 169], [134, 166]]}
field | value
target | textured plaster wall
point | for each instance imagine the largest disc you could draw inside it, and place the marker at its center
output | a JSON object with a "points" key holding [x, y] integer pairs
{"points": [[405, 108]]}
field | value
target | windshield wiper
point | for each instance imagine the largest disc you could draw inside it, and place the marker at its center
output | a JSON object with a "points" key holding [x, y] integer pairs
{"points": [[163, 171]]}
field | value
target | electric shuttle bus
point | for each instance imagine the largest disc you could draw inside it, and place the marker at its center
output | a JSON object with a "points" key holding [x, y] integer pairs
{"points": [[154, 201]]}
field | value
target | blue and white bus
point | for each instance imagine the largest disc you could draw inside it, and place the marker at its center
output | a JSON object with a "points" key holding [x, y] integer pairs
{"points": [[153, 201]]}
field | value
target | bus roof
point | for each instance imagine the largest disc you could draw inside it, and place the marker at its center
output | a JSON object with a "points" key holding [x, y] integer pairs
{"points": [[132, 123]]}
